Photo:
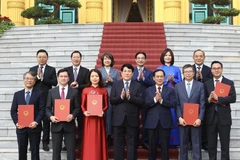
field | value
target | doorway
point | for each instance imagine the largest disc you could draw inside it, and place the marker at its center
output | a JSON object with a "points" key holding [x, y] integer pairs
{"points": [[133, 11]]}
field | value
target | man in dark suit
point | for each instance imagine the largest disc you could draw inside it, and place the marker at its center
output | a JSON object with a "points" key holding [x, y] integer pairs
{"points": [[34, 97], [78, 79], [126, 95], [218, 115], [143, 76], [46, 78], [158, 100], [203, 73], [66, 128], [190, 91]]}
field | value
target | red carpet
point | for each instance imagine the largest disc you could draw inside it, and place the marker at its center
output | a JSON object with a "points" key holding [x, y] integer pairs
{"points": [[123, 41]]}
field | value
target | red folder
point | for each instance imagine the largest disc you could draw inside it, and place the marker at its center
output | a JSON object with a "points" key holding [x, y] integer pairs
{"points": [[190, 112], [62, 109], [25, 115], [221, 90], [94, 104]]}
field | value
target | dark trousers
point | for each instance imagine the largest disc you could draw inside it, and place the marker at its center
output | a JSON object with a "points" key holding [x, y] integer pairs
{"points": [[144, 130], [212, 134], [119, 133], [159, 133], [46, 130], [80, 129], [196, 142], [69, 141], [34, 139]]}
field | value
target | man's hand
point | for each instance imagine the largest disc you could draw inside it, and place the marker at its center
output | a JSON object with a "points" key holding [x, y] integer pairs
{"points": [[86, 113], [74, 84], [182, 121], [197, 123], [54, 119], [19, 127], [69, 118], [123, 93], [33, 125]]}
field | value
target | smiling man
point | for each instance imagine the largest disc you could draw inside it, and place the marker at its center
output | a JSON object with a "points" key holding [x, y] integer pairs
{"points": [[126, 95], [143, 76]]}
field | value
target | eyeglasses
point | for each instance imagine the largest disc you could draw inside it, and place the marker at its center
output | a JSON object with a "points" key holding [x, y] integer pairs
{"points": [[29, 79], [216, 68], [188, 72]]}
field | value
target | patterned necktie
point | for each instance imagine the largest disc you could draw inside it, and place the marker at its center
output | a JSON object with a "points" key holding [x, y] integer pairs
{"points": [[188, 89], [62, 94], [75, 74], [199, 68], [27, 97]]}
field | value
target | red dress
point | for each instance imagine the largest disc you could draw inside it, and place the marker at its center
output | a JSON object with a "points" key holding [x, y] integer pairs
{"points": [[94, 141]]}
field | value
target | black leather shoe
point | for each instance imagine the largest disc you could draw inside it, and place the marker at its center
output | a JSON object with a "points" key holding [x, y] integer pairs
{"points": [[205, 147], [46, 147], [64, 148], [145, 146]]}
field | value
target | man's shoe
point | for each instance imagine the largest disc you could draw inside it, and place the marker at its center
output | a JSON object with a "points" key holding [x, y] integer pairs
{"points": [[205, 147], [64, 148], [145, 146], [45, 147]]}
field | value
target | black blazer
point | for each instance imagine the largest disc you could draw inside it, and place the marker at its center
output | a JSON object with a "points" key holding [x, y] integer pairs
{"points": [[157, 111], [206, 73], [82, 77], [74, 108], [223, 104], [37, 99], [49, 79], [126, 107]]}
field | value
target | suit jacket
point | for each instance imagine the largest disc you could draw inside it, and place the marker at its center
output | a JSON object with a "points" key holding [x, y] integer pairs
{"points": [[114, 74], [223, 104], [206, 73], [73, 95], [126, 107], [148, 78], [157, 111], [49, 79], [196, 96], [82, 77], [37, 99]]}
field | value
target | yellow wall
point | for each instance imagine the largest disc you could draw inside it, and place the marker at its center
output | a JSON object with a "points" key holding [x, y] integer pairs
{"points": [[100, 11]]}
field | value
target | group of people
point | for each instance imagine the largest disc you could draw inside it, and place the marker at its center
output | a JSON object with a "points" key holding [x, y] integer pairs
{"points": [[159, 96]]}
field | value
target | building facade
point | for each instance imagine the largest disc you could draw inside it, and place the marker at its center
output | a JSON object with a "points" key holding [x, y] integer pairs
{"points": [[99, 11]]}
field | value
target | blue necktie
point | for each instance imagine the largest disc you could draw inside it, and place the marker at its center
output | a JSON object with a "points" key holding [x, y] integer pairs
{"points": [[188, 90], [126, 86], [27, 97], [41, 69]]}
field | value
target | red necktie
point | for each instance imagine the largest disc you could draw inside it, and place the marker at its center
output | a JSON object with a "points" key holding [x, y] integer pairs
{"points": [[159, 90], [62, 94]]}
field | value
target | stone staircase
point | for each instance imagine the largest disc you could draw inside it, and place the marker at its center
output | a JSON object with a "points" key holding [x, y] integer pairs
{"points": [[19, 45], [219, 43], [18, 49]]}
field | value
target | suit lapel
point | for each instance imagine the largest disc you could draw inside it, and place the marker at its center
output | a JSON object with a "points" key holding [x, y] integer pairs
{"points": [[32, 96], [183, 89], [56, 93], [69, 93]]}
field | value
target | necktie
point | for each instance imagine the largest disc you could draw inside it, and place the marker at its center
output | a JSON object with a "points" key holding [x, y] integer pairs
{"points": [[216, 109], [188, 89], [216, 82], [126, 86], [41, 69], [62, 94], [198, 68], [159, 90], [27, 97], [75, 74]]}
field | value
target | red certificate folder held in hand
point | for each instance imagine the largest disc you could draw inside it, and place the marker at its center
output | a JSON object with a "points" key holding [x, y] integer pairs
{"points": [[62, 109], [221, 90], [190, 112], [25, 115], [94, 104]]}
